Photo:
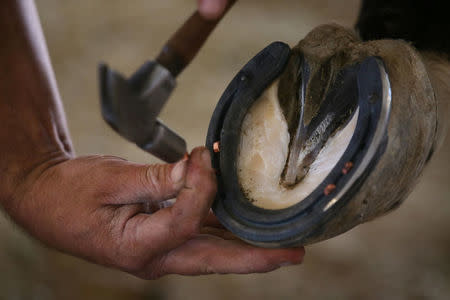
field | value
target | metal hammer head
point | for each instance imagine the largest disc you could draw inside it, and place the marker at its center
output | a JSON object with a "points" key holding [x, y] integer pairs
{"points": [[131, 106]]}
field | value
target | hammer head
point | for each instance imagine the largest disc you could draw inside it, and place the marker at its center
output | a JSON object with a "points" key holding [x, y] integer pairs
{"points": [[131, 106]]}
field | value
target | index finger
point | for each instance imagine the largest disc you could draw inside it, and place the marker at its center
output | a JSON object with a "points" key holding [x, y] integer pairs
{"points": [[195, 198], [171, 227]]}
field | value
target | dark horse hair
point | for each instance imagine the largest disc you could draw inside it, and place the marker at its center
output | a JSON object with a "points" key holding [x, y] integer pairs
{"points": [[424, 23]]}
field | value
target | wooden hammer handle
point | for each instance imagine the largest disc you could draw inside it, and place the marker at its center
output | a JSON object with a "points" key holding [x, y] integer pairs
{"points": [[182, 47]]}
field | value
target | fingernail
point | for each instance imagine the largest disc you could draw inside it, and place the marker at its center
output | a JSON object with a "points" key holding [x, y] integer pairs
{"points": [[210, 8], [178, 171], [206, 157]]}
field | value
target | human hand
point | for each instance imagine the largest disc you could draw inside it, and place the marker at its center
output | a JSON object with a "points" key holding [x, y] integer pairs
{"points": [[212, 9], [94, 207]]}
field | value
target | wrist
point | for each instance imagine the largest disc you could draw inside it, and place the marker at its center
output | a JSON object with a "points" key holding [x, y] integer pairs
{"points": [[20, 173]]}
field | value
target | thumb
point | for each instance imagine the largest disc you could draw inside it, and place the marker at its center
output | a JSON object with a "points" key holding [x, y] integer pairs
{"points": [[164, 181], [154, 183], [211, 9]]}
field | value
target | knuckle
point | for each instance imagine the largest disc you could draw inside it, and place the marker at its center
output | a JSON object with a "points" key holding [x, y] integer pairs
{"points": [[154, 177]]}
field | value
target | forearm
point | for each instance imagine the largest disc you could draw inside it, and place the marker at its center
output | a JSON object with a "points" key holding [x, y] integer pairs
{"points": [[33, 134]]}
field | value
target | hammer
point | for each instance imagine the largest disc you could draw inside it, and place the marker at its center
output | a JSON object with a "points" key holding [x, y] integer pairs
{"points": [[131, 106]]}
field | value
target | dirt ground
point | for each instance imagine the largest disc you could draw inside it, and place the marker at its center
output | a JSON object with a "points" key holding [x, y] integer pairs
{"points": [[405, 255]]}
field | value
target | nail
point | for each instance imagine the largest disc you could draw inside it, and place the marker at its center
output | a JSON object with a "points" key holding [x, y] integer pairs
{"points": [[347, 167], [206, 157], [216, 147], [329, 189], [178, 171]]}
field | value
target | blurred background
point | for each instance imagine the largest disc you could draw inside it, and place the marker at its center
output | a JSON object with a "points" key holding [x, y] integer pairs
{"points": [[404, 255]]}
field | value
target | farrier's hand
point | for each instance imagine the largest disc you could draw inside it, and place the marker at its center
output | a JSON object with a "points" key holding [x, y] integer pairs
{"points": [[211, 9], [93, 207]]}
